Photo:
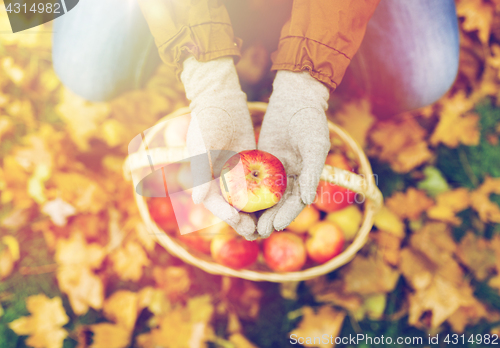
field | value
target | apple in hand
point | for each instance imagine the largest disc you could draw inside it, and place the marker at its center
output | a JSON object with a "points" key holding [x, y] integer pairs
{"points": [[325, 241], [253, 180], [307, 217], [234, 251], [284, 252]]}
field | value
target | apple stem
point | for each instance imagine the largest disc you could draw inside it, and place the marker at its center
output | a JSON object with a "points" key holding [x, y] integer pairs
{"points": [[255, 173]]}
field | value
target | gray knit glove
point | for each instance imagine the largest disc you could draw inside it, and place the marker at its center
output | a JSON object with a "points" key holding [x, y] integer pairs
{"points": [[220, 120], [295, 130]]}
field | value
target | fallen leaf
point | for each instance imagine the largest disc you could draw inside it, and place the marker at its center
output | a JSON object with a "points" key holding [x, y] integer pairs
{"points": [[313, 326], [369, 275], [456, 126], [434, 182], [448, 204], [108, 335], [402, 144], [478, 16], [333, 292], [122, 308], [182, 327], [58, 211], [44, 325], [480, 201], [409, 205], [77, 260], [128, 261], [174, 280], [356, 118], [477, 254], [81, 117]]}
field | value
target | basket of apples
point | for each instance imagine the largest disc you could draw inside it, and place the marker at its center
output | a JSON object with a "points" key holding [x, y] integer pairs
{"points": [[323, 237]]}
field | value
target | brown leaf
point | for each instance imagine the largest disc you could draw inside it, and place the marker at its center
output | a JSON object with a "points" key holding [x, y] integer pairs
{"points": [[356, 118], [409, 205], [480, 201], [456, 126], [477, 255], [128, 262], [369, 275], [478, 16], [333, 293], [448, 204], [402, 144], [108, 335], [174, 280], [313, 326]]}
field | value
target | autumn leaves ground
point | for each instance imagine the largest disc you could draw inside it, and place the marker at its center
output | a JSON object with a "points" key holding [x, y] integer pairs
{"points": [[78, 268]]}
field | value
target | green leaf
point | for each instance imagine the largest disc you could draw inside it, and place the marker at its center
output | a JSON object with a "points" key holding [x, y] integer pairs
{"points": [[434, 182]]}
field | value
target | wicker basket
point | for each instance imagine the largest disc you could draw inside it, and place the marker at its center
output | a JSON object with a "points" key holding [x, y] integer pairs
{"points": [[363, 183]]}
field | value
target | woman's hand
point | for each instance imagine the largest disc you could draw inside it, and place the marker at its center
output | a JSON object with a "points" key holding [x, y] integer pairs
{"points": [[295, 130]]}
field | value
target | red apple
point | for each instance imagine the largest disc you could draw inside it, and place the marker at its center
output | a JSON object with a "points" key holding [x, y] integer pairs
{"points": [[307, 217], [330, 197], [234, 251], [325, 241], [284, 252], [162, 213], [253, 180]]}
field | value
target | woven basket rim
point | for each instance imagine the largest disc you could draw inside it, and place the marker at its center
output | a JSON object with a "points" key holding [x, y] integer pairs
{"points": [[371, 206]]}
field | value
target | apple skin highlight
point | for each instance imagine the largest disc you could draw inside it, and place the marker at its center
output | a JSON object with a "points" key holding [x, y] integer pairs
{"points": [[253, 180]]}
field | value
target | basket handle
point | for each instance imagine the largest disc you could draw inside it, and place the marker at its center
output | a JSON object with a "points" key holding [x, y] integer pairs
{"points": [[354, 182]]}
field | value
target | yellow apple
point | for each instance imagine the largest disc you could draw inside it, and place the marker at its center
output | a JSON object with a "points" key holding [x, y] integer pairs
{"points": [[348, 219]]}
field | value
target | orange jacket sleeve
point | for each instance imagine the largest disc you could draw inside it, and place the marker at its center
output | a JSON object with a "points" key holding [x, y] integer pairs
{"points": [[322, 36], [183, 27]]}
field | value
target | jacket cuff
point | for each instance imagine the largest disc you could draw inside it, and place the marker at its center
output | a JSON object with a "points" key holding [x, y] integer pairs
{"points": [[206, 41], [323, 62]]}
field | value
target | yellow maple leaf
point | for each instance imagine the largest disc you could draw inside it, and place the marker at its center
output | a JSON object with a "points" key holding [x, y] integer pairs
{"points": [[333, 292], [456, 126], [76, 261], [369, 275], [478, 15], [83, 192], [44, 326], [356, 118], [409, 205], [82, 117], [129, 261], [401, 143], [122, 307], [429, 266], [108, 335], [182, 326], [448, 204], [315, 326], [174, 280], [480, 200]]}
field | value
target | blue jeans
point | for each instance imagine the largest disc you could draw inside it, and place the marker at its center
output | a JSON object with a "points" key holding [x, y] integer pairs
{"points": [[408, 58]]}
